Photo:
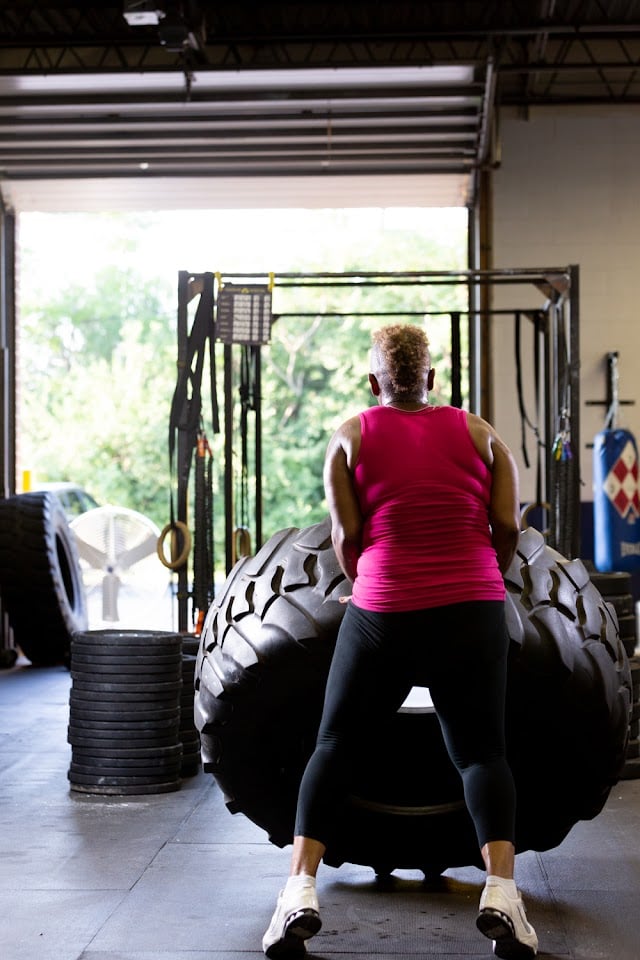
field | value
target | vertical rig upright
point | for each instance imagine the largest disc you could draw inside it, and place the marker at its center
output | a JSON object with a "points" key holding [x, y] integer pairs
{"points": [[237, 319]]}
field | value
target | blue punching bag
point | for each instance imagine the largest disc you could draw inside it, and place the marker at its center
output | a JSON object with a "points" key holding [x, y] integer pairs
{"points": [[616, 501]]}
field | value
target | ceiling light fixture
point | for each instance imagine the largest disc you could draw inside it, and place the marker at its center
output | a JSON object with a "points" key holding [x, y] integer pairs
{"points": [[142, 13]]}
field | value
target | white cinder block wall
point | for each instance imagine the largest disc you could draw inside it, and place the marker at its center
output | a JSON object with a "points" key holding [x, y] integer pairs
{"points": [[568, 191]]}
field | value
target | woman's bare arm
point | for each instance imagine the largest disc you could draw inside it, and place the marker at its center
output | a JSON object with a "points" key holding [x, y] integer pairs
{"points": [[346, 519], [504, 506]]}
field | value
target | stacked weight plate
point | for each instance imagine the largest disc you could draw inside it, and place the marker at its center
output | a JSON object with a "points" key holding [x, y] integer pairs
{"points": [[124, 712], [189, 736], [631, 769], [616, 590]]}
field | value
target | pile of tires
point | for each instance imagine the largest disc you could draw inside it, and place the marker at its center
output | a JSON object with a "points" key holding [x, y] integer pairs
{"points": [[124, 712], [262, 667], [40, 578], [616, 589], [189, 736], [631, 769]]}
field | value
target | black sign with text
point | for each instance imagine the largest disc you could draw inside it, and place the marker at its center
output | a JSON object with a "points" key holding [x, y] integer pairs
{"points": [[243, 314]]}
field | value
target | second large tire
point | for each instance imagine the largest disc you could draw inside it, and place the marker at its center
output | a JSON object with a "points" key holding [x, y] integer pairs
{"points": [[262, 667], [40, 579]]}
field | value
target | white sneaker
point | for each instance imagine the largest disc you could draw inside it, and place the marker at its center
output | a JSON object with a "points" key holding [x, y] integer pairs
{"points": [[503, 920], [295, 920]]}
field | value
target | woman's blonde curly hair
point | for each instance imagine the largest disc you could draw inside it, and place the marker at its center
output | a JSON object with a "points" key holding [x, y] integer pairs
{"points": [[403, 353]]}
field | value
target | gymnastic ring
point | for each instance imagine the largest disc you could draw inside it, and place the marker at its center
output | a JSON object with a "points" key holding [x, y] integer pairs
{"points": [[526, 510], [176, 561], [241, 543]]}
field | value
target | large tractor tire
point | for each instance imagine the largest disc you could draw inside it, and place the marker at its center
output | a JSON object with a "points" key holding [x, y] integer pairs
{"points": [[40, 579], [260, 677]]}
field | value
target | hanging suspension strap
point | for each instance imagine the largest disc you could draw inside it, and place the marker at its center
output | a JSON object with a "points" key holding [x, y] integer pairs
{"points": [[203, 559], [186, 412], [185, 416], [247, 390], [562, 452], [525, 420], [613, 391]]}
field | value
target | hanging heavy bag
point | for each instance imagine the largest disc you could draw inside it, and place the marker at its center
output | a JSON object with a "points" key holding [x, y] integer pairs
{"points": [[616, 501]]}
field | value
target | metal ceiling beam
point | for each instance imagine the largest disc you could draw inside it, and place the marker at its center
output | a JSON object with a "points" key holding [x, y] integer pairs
{"points": [[35, 23], [67, 36], [101, 57]]}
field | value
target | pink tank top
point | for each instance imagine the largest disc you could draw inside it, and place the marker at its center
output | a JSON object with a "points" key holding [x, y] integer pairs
{"points": [[424, 494]]}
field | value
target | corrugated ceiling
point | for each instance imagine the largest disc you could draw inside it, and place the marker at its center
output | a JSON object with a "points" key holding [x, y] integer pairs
{"points": [[286, 104]]}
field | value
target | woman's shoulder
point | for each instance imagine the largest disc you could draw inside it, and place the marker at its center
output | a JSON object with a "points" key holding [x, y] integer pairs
{"points": [[348, 432], [447, 412]]}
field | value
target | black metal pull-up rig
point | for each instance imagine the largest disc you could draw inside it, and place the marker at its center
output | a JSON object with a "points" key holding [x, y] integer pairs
{"points": [[234, 311]]}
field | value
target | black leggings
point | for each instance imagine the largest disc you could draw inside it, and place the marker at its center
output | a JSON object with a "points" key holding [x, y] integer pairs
{"points": [[460, 652]]}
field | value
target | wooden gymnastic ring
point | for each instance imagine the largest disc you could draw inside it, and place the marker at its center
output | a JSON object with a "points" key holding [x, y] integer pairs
{"points": [[176, 562], [241, 543]]}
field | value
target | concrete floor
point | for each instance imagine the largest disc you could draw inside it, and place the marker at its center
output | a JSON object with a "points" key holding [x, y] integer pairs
{"points": [[176, 876]]}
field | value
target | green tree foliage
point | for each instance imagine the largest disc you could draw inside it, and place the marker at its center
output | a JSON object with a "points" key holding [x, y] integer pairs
{"points": [[94, 384]]}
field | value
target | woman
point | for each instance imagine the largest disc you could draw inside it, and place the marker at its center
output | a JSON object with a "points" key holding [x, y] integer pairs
{"points": [[425, 520]]}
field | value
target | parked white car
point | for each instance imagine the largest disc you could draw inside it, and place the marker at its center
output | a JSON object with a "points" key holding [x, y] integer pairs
{"points": [[74, 499]]}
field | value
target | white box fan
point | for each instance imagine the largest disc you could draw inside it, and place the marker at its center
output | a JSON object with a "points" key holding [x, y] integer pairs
{"points": [[122, 574]]}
